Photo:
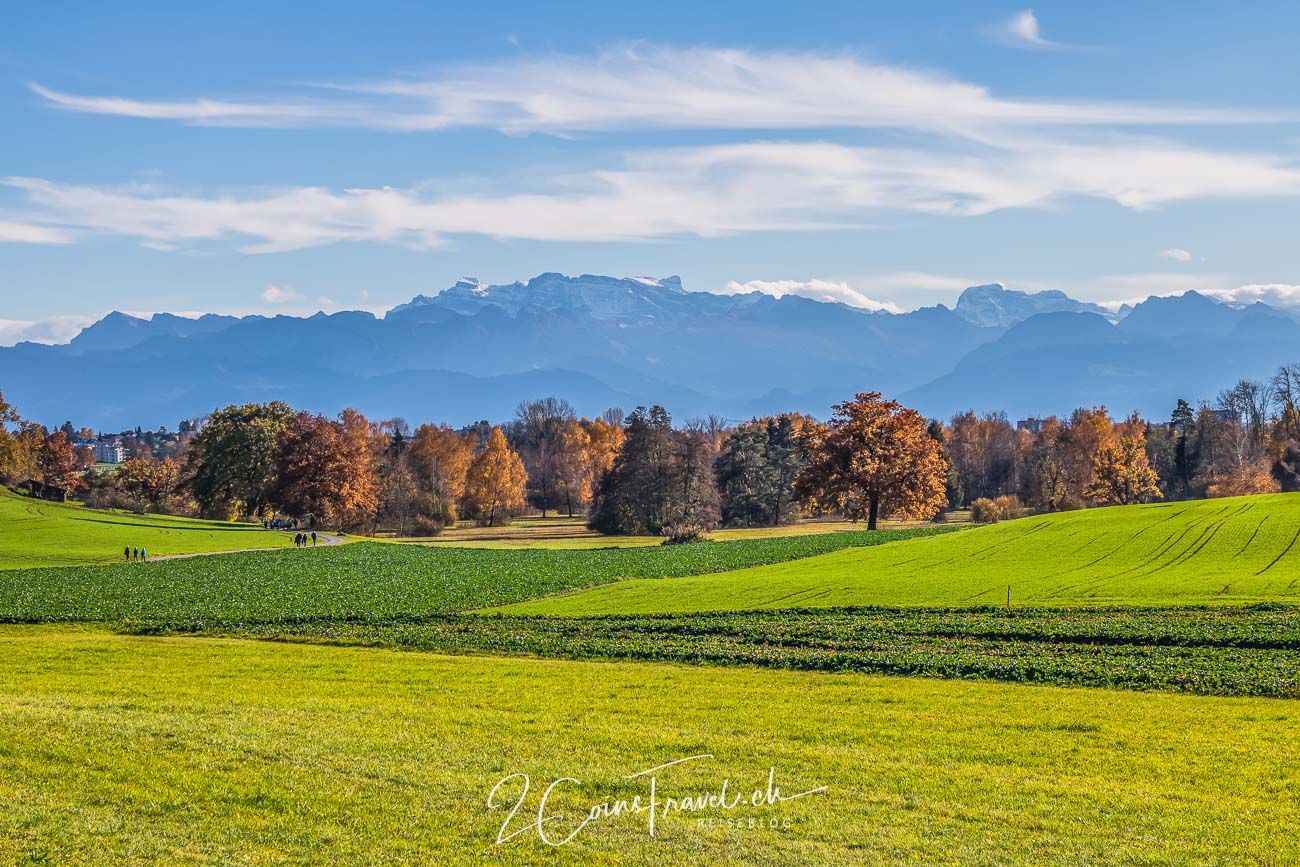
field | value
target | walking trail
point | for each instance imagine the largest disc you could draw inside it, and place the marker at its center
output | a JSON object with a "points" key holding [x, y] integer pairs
{"points": [[323, 539]]}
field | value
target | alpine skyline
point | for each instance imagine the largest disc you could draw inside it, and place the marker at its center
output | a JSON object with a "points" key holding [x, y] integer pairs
{"points": [[880, 157]]}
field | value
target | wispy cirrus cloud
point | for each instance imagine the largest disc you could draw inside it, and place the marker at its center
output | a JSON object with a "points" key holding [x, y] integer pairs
{"points": [[636, 87], [1177, 254], [27, 233], [689, 191]]}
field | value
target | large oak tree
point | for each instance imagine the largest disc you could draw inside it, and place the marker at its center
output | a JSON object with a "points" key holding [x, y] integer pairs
{"points": [[873, 456]]}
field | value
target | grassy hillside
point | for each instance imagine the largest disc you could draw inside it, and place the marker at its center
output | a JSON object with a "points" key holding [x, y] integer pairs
{"points": [[1238, 550], [129, 750], [36, 533], [369, 579]]}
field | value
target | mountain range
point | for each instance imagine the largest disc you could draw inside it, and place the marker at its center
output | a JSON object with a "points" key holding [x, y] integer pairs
{"points": [[473, 351]]}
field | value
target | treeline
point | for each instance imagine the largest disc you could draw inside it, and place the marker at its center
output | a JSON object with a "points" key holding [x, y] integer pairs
{"points": [[642, 474], [1246, 441]]}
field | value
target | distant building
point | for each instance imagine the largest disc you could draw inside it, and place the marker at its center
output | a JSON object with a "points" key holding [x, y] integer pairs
{"points": [[110, 452], [1033, 425], [189, 428]]}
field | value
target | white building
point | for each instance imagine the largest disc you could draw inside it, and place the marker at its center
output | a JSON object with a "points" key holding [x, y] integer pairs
{"points": [[110, 452]]}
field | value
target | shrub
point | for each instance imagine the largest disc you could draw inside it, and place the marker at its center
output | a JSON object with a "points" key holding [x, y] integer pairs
{"points": [[681, 534], [986, 511]]}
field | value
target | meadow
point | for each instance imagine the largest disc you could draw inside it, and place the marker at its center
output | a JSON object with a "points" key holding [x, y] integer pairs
{"points": [[117, 749], [368, 579], [36, 533], [1237, 550]]}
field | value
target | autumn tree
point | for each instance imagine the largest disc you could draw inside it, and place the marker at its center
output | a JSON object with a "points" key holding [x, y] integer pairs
{"points": [[496, 483], [604, 441], [983, 452], [1047, 466], [873, 456], [439, 458], [148, 482], [232, 462], [9, 418], [574, 467], [59, 465], [1121, 473], [325, 470]]}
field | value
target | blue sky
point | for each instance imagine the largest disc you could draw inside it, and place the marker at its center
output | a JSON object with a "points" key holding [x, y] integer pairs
{"points": [[238, 158]]}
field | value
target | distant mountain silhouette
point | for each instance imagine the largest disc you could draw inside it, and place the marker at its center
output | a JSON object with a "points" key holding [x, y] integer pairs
{"points": [[993, 306], [474, 351]]}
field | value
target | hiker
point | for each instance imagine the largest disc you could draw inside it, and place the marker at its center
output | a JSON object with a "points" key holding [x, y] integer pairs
{"points": [[313, 538], [127, 553], [144, 555], [135, 554]]}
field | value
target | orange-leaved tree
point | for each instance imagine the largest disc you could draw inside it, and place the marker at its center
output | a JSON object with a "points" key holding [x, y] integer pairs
{"points": [[326, 469], [495, 486], [874, 455], [59, 465], [1121, 473]]}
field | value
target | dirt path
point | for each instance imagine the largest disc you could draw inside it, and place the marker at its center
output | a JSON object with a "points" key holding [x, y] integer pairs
{"points": [[323, 539]]}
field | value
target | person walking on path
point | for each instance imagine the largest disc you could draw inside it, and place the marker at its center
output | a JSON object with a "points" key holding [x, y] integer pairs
{"points": [[127, 553], [313, 538], [135, 554], [144, 556]]}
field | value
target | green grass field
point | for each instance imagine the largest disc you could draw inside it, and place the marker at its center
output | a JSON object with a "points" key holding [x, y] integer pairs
{"points": [[118, 749], [34, 533], [1234, 551], [368, 579]]}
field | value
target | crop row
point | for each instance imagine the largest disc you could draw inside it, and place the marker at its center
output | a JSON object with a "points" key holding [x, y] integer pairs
{"points": [[373, 579], [1218, 651]]}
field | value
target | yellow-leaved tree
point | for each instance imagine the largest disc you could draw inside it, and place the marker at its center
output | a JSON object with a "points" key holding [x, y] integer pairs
{"points": [[495, 486], [1121, 473]]}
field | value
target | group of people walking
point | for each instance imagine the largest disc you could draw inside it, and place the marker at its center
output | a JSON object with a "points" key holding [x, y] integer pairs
{"points": [[135, 555], [302, 540]]}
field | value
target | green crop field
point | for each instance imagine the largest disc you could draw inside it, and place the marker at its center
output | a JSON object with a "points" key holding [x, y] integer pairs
{"points": [[117, 749], [36, 533], [371, 579], [1237, 550], [1224, 650]]}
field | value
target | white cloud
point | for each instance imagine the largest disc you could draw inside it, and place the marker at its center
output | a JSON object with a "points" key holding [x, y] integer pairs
{"points": [[1022, 29], [1177, 254], [1283, 295], [819, 290], [55, 329], [273, 294], [24, 233], [702, 191], [653, 87]]}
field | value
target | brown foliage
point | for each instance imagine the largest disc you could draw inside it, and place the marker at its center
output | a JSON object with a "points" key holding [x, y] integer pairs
{"points": [[326, 469], [874, 455]]}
